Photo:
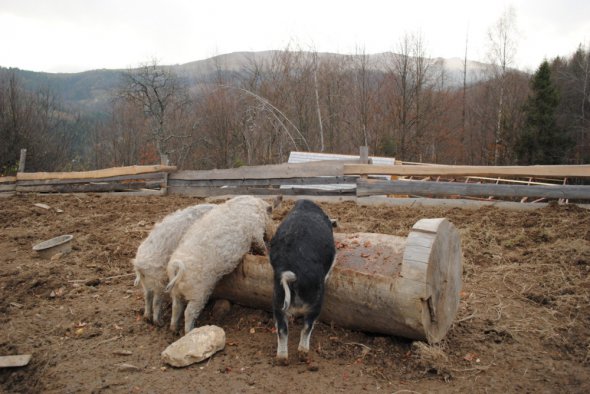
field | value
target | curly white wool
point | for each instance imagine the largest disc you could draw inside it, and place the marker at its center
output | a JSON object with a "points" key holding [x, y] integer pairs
{"points": [[154, 252], [212, 248]]}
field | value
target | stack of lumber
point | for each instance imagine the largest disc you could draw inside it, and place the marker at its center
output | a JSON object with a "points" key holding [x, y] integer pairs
{"points": [[106, 180]]}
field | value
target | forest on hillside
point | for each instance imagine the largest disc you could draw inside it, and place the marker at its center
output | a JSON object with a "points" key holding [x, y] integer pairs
{"points": [[406, 109]]}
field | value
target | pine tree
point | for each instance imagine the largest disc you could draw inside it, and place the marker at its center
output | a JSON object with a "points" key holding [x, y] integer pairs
{"points": [[542, 141]]}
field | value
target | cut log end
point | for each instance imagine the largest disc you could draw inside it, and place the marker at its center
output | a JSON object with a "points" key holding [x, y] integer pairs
{"points": [[443, 262]]}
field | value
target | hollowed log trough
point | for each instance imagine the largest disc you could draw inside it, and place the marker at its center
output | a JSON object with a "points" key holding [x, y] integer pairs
{"points": [[380, 283]]}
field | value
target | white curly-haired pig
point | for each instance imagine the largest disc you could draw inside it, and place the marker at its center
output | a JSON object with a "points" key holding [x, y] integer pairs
{"points": [[154, 252], [212, 248]]}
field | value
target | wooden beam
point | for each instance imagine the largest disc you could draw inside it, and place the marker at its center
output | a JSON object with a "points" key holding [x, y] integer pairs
{"points": [[88, 187], [8, 187], [221, 191], [298, 170], [104, 173], [7, 179], [559, 171], [159, 176], [425, 188], [327, 180]]}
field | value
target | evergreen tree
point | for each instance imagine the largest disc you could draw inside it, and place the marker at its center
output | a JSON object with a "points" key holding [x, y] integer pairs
{"points": [[542, 141]]}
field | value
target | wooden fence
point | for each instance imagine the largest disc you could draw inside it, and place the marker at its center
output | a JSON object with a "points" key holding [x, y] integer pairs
{"points": [[314, 178], [327, 178], [107, 180]]}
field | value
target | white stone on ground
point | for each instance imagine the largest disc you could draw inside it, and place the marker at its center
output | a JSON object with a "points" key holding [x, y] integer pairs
{"points": [[198, 345]]}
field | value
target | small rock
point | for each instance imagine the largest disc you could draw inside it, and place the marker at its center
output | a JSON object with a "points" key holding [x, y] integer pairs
{"points": [[123, 352], [92, 282], [198, 345], [127, 367], [40, 205]]}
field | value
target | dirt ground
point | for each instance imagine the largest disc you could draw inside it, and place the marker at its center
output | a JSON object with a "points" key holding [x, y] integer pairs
{"points": [[523, 323]]}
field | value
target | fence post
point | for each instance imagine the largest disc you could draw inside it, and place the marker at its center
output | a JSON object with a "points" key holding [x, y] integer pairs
{"points": [[364, 155], [164, 161], [364, 158], [21, 162]]}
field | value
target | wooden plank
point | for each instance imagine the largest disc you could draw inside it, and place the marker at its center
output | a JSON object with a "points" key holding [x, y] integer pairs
{"points": [[89, 187], [424, 188], [147, 176], [221, 191], [14, 361], [104, 173], [569, 171], [8, 187], [298, 170], [7, 179], [327, 180]]}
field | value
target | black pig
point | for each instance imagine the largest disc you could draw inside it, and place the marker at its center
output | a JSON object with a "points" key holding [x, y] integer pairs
{"points": [[302, 252]]}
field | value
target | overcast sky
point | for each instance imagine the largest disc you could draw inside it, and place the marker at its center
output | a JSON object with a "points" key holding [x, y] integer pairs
{"points": [[78, 35]]}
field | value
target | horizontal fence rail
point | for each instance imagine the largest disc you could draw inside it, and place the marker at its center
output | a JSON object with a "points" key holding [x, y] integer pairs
{"points": [[312, 178], [425, 188], [559, 171]]}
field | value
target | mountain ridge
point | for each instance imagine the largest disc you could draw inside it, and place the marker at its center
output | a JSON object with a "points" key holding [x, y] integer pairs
{"points": [[91, 90]]}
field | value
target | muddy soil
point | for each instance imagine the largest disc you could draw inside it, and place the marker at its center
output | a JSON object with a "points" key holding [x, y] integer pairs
{"points": [[523, 323]]}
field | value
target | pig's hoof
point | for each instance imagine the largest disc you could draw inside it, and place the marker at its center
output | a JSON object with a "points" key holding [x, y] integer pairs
{"points": [[282, 361], [303, 356], [159, 323], [147, 319]]}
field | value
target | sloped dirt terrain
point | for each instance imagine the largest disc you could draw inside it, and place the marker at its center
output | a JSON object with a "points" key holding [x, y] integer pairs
{"points": [[523, 324]]}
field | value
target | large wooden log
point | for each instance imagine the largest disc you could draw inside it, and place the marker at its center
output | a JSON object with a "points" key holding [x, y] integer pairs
{"points": [[425, 188], [552, 171], [380, 283]]}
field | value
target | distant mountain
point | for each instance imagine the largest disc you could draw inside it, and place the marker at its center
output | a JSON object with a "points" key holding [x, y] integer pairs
{"points": [[90, 91]]}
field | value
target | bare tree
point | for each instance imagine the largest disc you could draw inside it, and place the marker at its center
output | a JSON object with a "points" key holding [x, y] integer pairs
{"points": [[411, 78], [36, 121], [158, 92], [502, 46], [363, 96]]}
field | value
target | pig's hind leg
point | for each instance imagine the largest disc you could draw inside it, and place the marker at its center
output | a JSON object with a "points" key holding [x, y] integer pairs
{"points": [[148, 295], [178, 305], [309, 320], [192, 311]]}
